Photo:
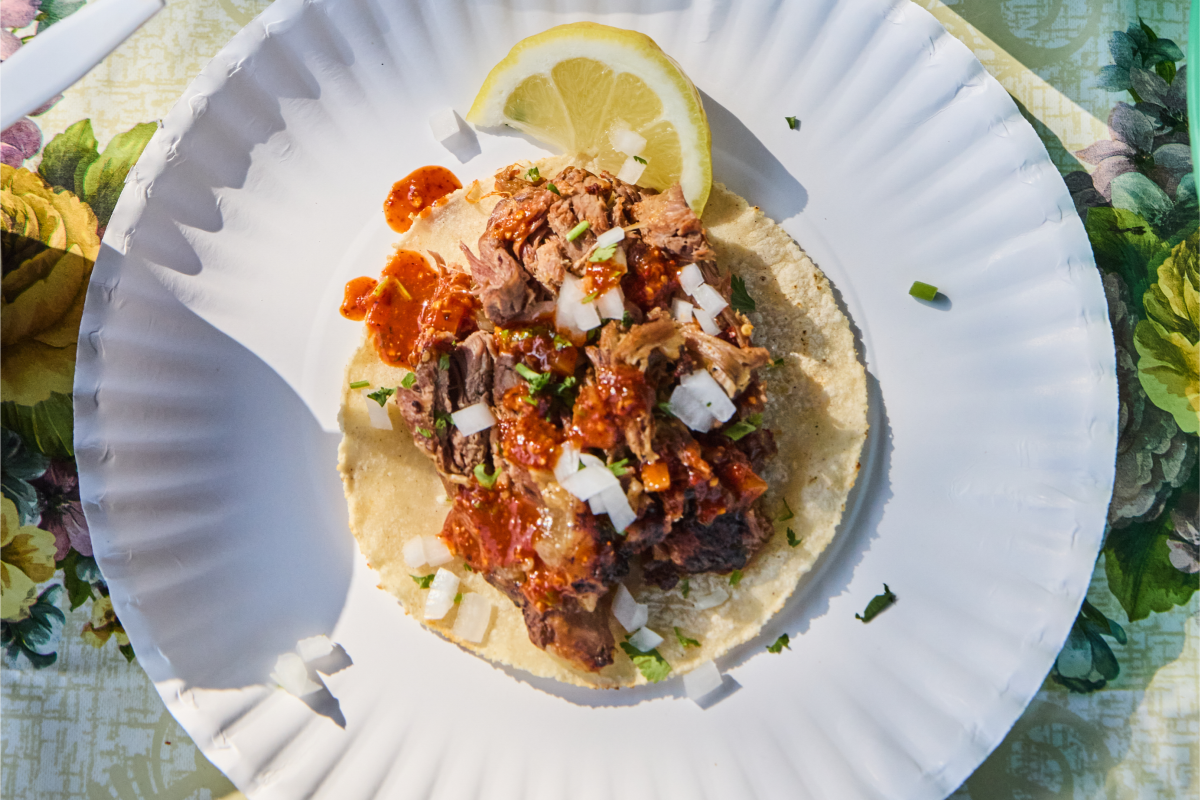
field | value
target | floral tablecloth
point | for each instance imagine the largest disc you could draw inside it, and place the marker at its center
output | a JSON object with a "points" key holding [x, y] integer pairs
{"points": [[1103, 85]]}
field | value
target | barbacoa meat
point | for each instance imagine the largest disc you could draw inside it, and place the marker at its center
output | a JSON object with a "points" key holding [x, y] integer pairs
{"points": [[530, 538]]}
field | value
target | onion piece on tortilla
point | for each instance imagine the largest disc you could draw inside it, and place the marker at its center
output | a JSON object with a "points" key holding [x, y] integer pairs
{"points": [[611, 304], [631, 171], [436, 552], [473, 618], [568, 461], [610, 236], [629, 612], [627, 141], [414, 553], [441, 594], [378, 413], [682, 310], [645, 640]]}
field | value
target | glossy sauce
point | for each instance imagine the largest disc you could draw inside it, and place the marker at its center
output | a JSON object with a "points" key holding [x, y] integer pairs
{"points": [[423, 188], [540, 347], [600, 276], [652, 277], [619, 392], [527, 437]]}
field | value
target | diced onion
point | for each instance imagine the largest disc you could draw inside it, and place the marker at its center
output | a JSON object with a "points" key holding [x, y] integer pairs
{"points": [[589, 460], [414, 553], [378, 413], [690, 277], [628, 142], [436, 552], [473, 419], [610, 236], [645, 640], [611, 304], [568, 462], [631, 171], [291, 673], [616, 505], [473, 618], [441, 594], [629, 612], [314, 647], [702, 681], [681, 310], [707, 323], [444, 125], [690, 410], [710, 299], [571, 312], [596, 505], [712, 598], [706, 389], [589, 482]]}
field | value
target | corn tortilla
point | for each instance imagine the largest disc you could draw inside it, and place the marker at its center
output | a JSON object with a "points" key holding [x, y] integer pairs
{"points": [[817, 410]]}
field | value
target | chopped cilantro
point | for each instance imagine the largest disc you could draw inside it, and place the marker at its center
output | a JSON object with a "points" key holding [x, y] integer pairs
{"points": [[589, 298], [744, 427], [533, 174], [381, 395], [409, 380], [578, 230], [593, 336], [444, 362], [619, 468], [359, 384], [740, 298], [458, 598], [879, 603], [683, 640], [793, 123], [467, 566], [423, 581], [603, 253], [685, 586], [554, 189], [566, 389], [537, 380], [792, 540], [923, 291], [639, 159], [787, 512], [626, 320], [780, 643], [485, 480], [652, 665], [428, 434], [561, 342], [735, 577], [777, 362], [442, 420], [665, 408]]}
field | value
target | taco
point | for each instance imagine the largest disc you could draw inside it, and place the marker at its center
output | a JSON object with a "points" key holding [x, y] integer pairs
{"points": [[677, 412]]}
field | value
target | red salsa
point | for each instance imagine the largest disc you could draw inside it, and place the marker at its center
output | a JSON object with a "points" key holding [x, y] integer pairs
{"points": [[421, 189]]}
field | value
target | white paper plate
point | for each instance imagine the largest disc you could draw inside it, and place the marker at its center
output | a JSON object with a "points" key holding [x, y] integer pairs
{"points": [[211, 489]]}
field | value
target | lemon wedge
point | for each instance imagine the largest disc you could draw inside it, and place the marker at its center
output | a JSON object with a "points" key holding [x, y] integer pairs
{"points": [[585, 87]]}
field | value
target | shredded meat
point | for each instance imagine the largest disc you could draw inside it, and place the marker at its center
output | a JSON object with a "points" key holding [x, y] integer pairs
{"points": [[725, 544], [732, 366], [669, 224]]}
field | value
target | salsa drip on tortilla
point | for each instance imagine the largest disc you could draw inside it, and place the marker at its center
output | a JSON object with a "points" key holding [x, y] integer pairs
{"points": [[633, 395]]}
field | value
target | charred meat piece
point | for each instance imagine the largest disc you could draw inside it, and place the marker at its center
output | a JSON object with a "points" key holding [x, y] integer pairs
{"points": [[726, 544], [571, 632], [671, 226]]}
